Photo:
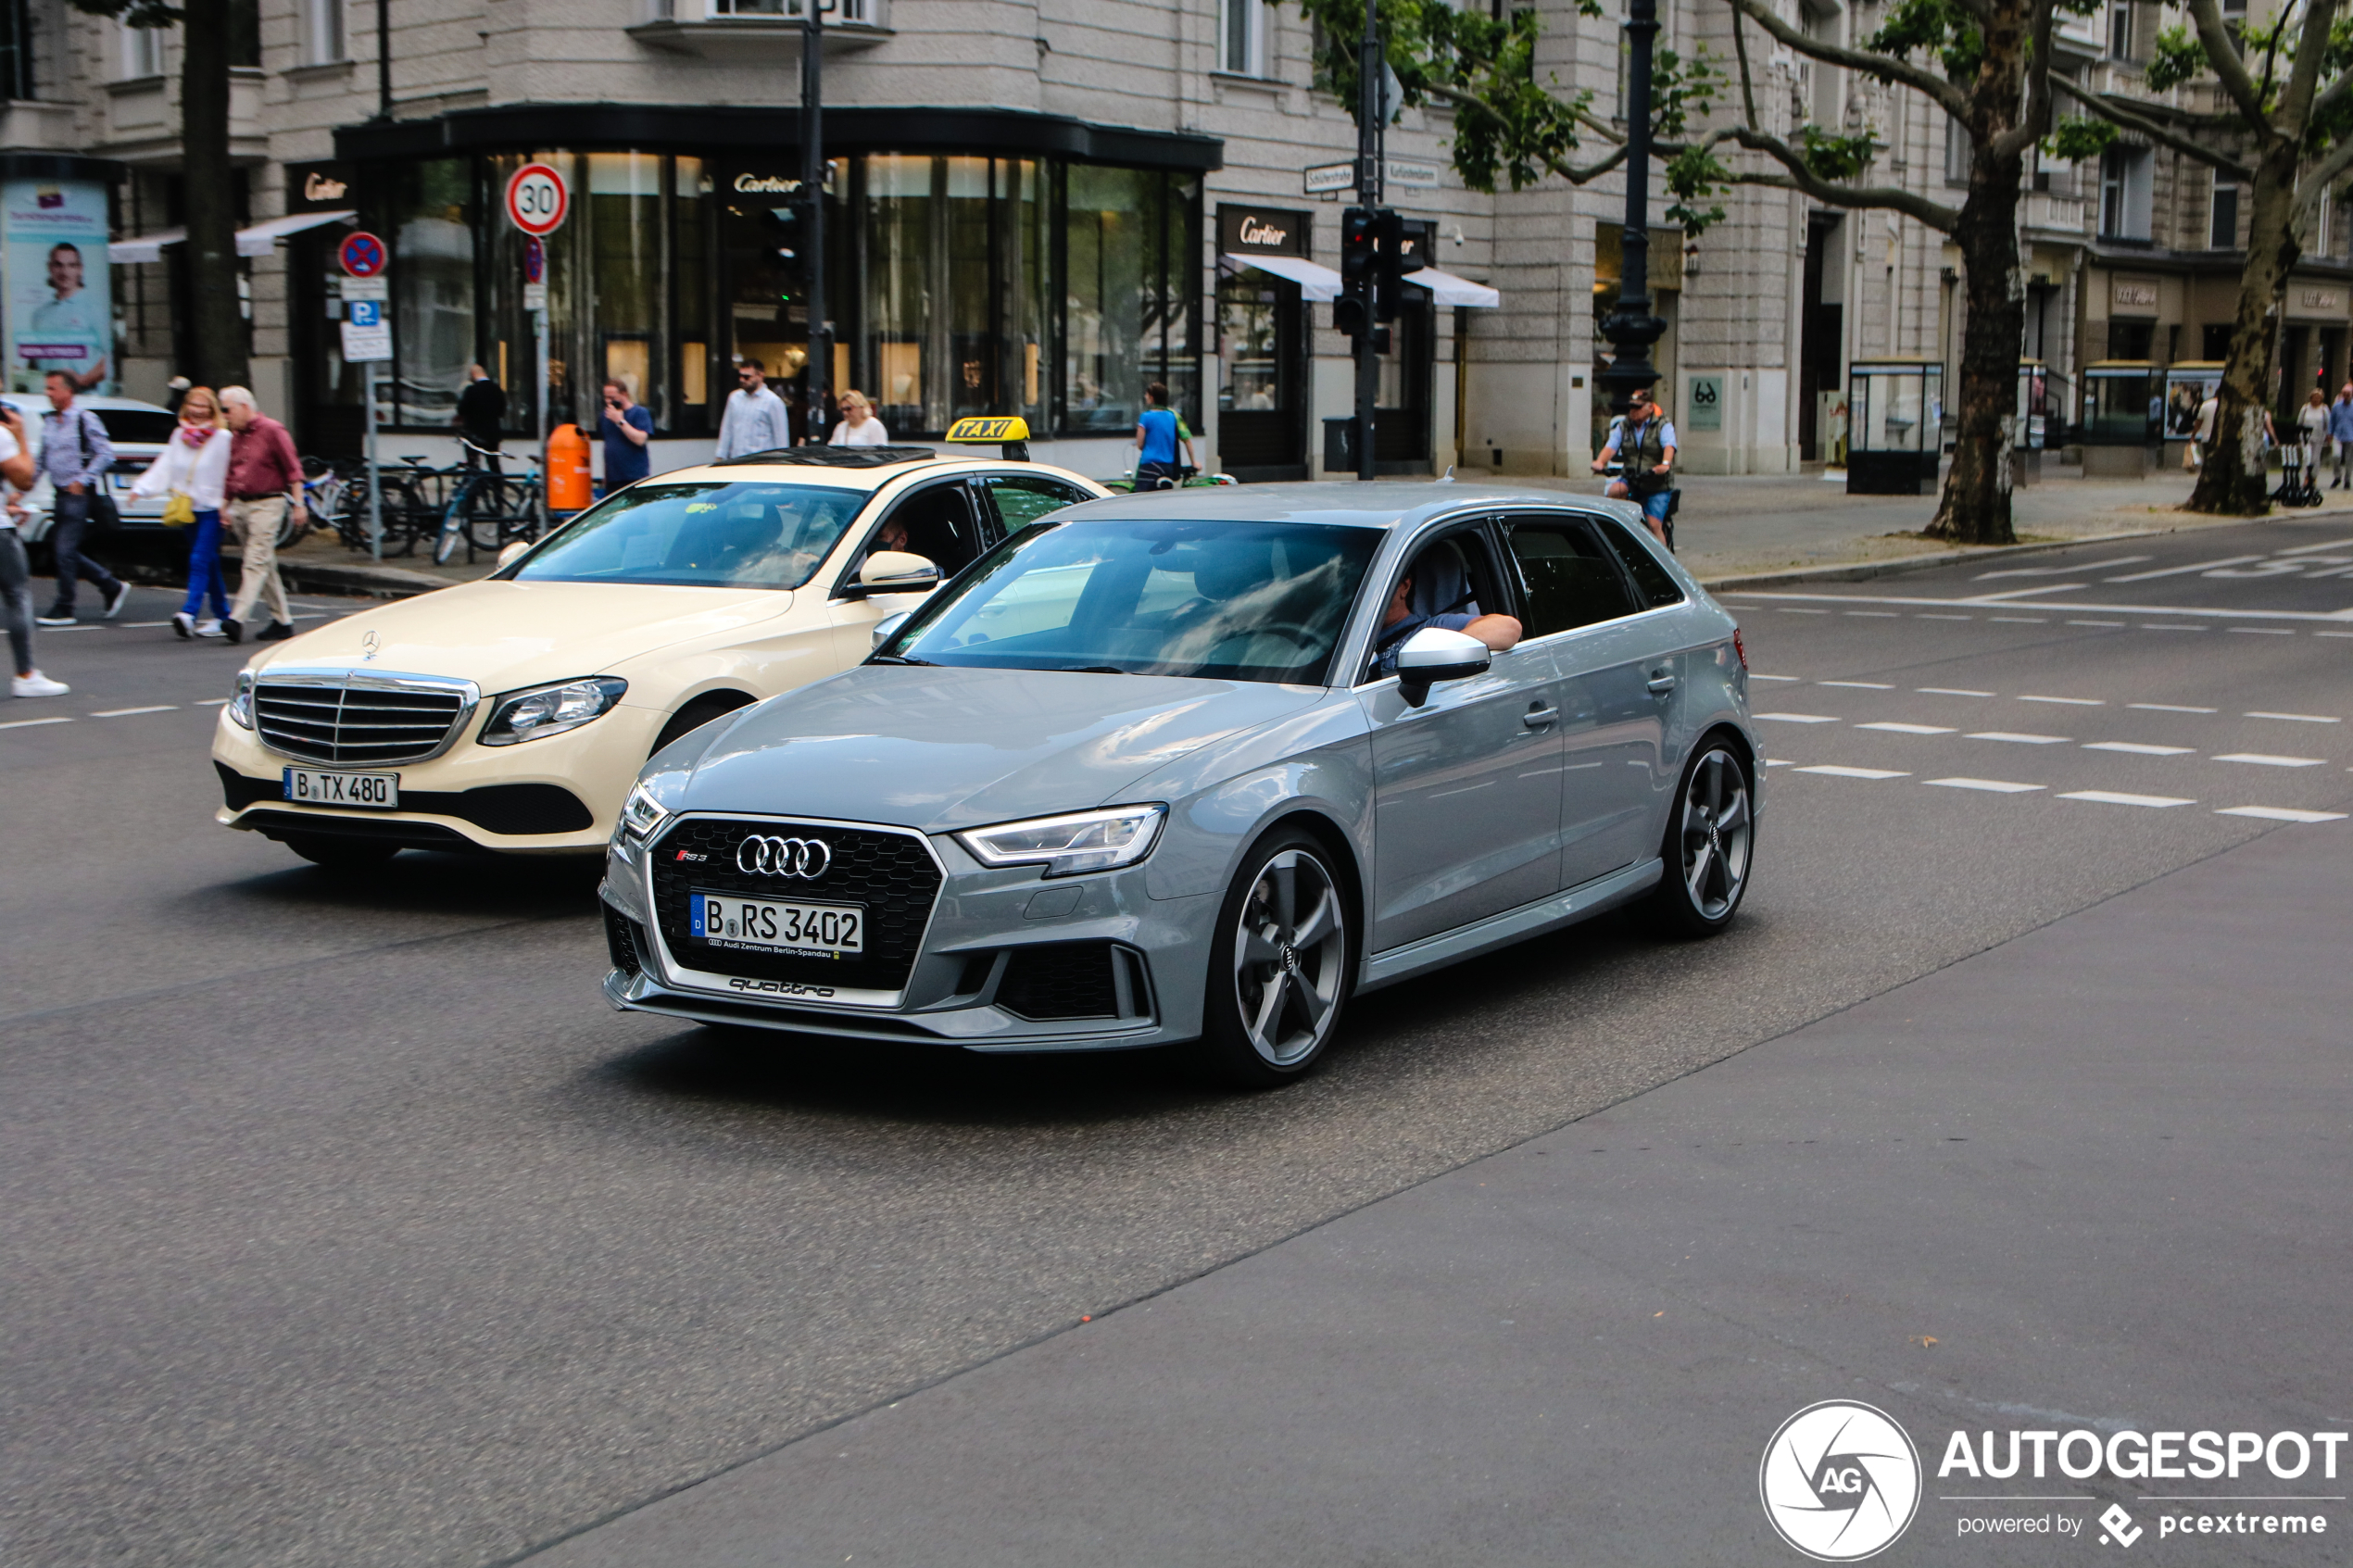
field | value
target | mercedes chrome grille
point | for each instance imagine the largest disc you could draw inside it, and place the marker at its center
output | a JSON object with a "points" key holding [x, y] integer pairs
{"points": [[360, 719]]}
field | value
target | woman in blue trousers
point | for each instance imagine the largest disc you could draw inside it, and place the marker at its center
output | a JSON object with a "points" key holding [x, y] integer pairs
{"points": [[195, 464]]}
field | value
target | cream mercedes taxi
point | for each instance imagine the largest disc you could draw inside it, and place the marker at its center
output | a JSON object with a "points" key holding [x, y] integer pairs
{"points": [[511, 714]]}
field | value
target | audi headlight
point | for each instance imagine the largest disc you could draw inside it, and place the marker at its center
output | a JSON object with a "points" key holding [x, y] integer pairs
{"points": [[641, 814], [551, 711], [241, 705], [1083, 841]]}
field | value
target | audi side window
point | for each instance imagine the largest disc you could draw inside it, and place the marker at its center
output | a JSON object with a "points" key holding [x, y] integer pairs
{"points": [[1572, 579], [1022, 500], [1653, 582]]}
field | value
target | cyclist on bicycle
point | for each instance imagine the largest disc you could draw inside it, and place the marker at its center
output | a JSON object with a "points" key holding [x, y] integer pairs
{"points": [[1647, 437]]}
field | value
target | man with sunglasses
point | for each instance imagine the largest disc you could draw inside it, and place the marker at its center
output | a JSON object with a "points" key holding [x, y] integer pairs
{"points": [[755, 420]]}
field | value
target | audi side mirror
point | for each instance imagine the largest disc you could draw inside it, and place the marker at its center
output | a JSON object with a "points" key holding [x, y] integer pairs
{"points": [[895, 571], [887, 627], [1435, 654]]}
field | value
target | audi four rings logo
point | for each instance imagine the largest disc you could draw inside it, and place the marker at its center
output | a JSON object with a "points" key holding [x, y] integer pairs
{"points": [[767, 855]]}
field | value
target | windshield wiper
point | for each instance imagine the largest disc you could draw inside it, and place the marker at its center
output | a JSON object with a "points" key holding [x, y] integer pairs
{"points": [[900, 659], [1086, 668]]}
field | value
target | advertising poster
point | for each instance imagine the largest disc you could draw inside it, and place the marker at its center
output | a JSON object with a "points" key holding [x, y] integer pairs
{"points": [[53, 256]]}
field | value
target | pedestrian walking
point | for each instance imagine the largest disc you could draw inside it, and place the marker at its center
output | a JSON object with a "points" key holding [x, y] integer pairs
{"points": [[2313, 433], [194, 470], [76, 455], [481, 415], [859, 427], [1158, 434], [16, 574], [2341, 435], [265, 478], [628, 427], [755, 420]]}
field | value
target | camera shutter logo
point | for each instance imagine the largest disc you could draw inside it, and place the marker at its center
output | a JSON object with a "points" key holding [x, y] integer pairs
{"points": [[1841, 1481], [807, 859]]}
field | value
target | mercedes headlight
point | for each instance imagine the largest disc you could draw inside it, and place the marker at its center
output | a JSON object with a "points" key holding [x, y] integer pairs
{"points": [[641, 814], [551, 711], [1083, 841], [241, 705]]}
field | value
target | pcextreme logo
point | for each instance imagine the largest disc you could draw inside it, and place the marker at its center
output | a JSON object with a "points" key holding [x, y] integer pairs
{"points": [[1841, 1481]]}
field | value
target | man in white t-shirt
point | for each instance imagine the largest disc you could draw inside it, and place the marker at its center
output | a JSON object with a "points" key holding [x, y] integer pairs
{"points": [[755, 420], [16, 575]]}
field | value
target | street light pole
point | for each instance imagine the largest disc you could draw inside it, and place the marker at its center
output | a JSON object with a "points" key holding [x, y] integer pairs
{"points": [[1370, 113], [384, 60], [1631, 328], [812, 192]]}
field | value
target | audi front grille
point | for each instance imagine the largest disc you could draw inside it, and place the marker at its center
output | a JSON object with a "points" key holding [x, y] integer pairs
{"points": [[889, 873], [362, 719]]}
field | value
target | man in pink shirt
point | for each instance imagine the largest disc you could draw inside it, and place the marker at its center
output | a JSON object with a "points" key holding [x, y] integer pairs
{"points": [[264, 478]]}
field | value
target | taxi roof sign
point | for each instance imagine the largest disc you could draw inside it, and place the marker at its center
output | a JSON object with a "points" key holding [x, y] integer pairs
{"points": [[1010, 428], [981, 427]]}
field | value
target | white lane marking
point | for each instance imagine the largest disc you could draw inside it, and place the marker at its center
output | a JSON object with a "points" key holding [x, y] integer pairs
{"points": [[2021, 740], [2152, 626], [2070, 701], [2022, 620], [2059, 570], [1859, 685], [2307, 549], [2096, 624], [1895, 728], [1998, 786], [1797, 718], [2262, 631], [2179, 571], [2335, 616], [2137, 748], [127, 713], [1925, 615], [1754, 676], [2010, 595], [1877, 614], [2264, 759], [213, 702], [1838, 773], [140, 625], [2167, 707], [1950, 691], [28, 723], [2332, 633], [1792, 609], [2111, 798], [2294, 718], [2279, 814], [86, 626], [1780, 763]]}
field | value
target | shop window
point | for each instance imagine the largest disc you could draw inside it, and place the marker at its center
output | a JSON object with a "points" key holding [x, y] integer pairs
{"points": [[624, 213], [433, 289], [2125, 193], [2223, 218], [2130, 340], [690, 279], [1131, 245]]}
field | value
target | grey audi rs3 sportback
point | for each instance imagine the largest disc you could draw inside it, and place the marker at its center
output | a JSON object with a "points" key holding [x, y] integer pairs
{"points": [[1198, 766]]}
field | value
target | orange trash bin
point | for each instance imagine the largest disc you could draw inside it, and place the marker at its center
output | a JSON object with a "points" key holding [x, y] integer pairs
{"points": [[568, 488]]}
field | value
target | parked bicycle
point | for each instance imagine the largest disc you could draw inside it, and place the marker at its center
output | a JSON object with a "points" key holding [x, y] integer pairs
{"points": [[490, 509]]}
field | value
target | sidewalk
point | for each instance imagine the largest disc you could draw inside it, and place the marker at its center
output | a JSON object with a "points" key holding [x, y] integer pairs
{"points": [[2089, 1179]]}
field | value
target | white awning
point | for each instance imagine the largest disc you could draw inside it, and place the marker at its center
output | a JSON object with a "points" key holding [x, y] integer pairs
{"points": [[1447, 289], [262, 237], [146, 247], [1314, 282], [256, 240]]}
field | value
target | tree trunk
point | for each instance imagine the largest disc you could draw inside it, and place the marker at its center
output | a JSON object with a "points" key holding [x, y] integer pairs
{"points": [[1975, 508], [2233, 480], [216, 327]]}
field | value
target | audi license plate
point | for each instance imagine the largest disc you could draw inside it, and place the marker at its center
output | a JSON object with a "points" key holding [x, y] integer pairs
{"points": [[308, 786], [809, 931]]}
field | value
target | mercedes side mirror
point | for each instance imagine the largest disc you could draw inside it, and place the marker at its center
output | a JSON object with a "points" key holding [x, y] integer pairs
{"points": [[887, 627], [895, 571], [513, 552], [1434, 654]]}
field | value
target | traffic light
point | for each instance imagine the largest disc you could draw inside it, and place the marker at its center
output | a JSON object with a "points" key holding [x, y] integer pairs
{"points": [[1351, 312], [1392, 260]]}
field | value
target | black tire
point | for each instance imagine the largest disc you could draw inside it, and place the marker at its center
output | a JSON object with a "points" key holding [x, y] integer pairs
{"points": [[1289, 886], [1710, 840], [696, 714], [338, 853]]}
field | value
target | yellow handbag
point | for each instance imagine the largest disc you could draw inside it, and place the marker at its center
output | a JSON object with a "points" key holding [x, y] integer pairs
{"points": [[180, 512]]}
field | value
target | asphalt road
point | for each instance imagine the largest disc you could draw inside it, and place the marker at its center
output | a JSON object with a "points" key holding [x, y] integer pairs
{"points": [[345, 1225]]}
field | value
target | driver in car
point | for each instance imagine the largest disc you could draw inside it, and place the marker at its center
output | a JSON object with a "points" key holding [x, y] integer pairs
{"points": [[1405, 617]]}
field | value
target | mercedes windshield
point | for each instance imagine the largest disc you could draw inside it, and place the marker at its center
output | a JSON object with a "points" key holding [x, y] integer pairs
{"points": [[1240, 601], [700, 533]]}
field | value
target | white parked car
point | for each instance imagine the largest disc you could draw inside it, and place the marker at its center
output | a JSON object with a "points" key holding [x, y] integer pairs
{"points": [[136, 430]]}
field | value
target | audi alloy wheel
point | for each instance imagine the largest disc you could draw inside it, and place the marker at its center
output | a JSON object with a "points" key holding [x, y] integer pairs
{"points": [[1284, 964], [1709, 839]]}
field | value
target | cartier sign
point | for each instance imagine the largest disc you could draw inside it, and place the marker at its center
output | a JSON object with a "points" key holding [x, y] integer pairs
{"points": [[1246, 231]]}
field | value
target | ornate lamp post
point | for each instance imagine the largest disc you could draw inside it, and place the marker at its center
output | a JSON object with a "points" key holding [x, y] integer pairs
{"points": [[1631, 328]]}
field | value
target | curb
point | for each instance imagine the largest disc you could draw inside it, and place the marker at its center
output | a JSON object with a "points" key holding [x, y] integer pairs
{"points": [[374, 582], [1863, 572]]}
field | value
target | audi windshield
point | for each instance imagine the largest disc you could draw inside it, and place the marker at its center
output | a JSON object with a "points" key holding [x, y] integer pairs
{"points": [[1240, 601], [710, 533]]}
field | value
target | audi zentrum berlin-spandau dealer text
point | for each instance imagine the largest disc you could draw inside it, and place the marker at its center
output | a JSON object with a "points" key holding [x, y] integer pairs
{"points": [[1196, 766]]}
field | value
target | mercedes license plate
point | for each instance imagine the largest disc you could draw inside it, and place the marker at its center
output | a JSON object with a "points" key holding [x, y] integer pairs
{"points": [[810, 931], [308, 786]]}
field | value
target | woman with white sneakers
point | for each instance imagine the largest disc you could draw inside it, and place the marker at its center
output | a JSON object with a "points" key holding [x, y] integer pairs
{"points": [[16, 575], [194, 470]]}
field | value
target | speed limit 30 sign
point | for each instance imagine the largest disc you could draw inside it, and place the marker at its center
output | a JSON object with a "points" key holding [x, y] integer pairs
{"points": [[537, 200]]}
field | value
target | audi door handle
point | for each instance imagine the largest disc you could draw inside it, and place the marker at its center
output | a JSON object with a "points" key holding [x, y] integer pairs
{"points": [[1538, 716], [1662, 684]]}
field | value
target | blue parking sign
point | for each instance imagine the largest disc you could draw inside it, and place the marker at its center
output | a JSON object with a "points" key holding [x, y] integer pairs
{"points": [[367, 312]]}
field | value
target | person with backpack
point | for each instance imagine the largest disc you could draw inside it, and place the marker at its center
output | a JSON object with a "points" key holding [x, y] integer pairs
{"points": [[76, 455], [1646, 436], [1158, 433]]}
